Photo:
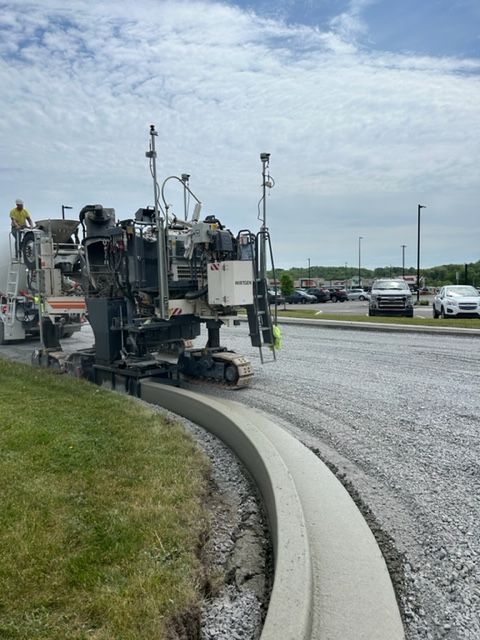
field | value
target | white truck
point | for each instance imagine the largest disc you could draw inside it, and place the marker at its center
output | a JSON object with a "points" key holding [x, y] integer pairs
{"points": [[40, 288], [390, 297]]}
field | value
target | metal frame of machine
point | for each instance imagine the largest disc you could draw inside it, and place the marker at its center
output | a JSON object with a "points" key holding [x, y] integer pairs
{"points": [[43, 297], [150, 281]]}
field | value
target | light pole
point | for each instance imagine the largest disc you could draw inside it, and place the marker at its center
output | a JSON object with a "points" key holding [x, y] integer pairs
{"points": [[309, 283], [64, 206], [403, 260], [360, 238], [419, 207]]}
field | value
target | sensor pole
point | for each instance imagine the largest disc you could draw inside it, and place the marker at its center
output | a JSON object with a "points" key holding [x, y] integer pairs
{"points": [[162, 309], [265, 158]]}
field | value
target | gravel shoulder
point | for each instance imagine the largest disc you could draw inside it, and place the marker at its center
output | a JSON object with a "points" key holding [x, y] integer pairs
{"points": [[238, 553]]}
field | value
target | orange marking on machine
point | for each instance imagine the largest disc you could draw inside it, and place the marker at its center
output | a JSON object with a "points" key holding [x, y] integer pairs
{"points": [[65, 305]]}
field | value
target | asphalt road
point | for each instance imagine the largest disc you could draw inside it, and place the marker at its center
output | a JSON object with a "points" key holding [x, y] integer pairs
{"points": [[398, 417]]}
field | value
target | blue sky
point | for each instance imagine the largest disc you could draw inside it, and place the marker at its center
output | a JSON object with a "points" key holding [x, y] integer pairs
{"points": [[368, 107]]}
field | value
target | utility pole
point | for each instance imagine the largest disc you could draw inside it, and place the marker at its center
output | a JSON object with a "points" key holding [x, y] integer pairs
{"points": [[403, 260], [419, 207], [360, 238], [309, 283]]}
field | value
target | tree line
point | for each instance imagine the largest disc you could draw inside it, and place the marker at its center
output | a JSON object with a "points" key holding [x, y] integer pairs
{"points": [[434, 276]]}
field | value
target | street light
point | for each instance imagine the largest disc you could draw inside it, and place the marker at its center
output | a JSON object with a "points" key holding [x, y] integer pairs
{"points": [[360, 238], [403, 260], [309, 283], [420, 206], [64, 206]]}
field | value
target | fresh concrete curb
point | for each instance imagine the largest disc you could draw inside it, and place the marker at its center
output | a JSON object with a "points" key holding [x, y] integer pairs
{"points": [[331, 581]]}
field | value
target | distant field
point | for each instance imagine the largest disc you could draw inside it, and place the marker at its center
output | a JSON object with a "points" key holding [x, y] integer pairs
{"points": [[102, 514]]}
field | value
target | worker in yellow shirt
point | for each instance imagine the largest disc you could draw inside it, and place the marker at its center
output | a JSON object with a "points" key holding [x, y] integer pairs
{"points": [[19, 217]]}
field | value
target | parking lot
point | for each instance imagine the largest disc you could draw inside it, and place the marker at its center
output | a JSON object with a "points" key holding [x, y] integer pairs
{"points": [[355, 307]]}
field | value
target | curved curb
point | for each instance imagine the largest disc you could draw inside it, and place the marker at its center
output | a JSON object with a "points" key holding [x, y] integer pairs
{"points": [[331, 581]]}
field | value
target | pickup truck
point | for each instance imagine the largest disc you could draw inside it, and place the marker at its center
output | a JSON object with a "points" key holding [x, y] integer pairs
{"points": [[390, 297]]}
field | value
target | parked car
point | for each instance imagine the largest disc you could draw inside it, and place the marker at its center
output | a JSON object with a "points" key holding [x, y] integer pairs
{"points": [[358, 294], [390, 297], [322, 295], [300, 297], [457, 300], [338, 295], [275, 297]]}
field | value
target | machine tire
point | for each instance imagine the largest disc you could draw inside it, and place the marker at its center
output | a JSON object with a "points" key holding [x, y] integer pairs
{"points": [[231, 374], [2, 332], [27, 250], [435, 312], [443, 314]]}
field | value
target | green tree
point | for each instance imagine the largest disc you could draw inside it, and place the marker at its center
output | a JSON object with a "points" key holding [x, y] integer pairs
{"points": [[286, 284]]}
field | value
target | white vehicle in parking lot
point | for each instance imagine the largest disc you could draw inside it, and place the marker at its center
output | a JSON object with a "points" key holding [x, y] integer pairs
{"points": [[358, 294], [457, 300], [390, 296]]}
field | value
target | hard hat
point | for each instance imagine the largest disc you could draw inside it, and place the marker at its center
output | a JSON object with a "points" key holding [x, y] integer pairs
{"points": [[18, 201]]}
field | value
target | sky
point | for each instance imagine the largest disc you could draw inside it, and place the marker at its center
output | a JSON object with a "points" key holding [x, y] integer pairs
{"points": [[367, 107]]}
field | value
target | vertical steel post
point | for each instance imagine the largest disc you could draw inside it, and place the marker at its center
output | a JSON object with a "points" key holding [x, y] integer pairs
{"points": [[161, 249], [360, 238], [420, 206], [403, 260], [264, 157], [185, 179]]}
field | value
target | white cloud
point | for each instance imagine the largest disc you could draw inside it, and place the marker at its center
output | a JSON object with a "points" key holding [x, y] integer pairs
{"points": [[357, 138]]}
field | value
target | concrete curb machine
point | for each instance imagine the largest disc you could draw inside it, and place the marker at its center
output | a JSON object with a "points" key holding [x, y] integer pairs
{"points": [[150, 281], [42, 295]]}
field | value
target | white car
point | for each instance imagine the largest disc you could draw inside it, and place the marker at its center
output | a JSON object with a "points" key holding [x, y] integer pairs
{"points": [[457, 300], [358, 294]]}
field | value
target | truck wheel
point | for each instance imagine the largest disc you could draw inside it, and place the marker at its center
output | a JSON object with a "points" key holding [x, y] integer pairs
{"points": [[28, 250], [334, 298], [435, 312], [409, 314], [371, 312], [442, 313]]}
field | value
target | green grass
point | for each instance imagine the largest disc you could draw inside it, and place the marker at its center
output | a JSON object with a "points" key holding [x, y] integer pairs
{"points": [[102, 514], [468, 323]]}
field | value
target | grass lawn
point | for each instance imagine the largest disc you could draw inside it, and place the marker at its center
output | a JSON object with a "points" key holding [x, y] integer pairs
{"points": [[468, 323], [102, 514]]}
